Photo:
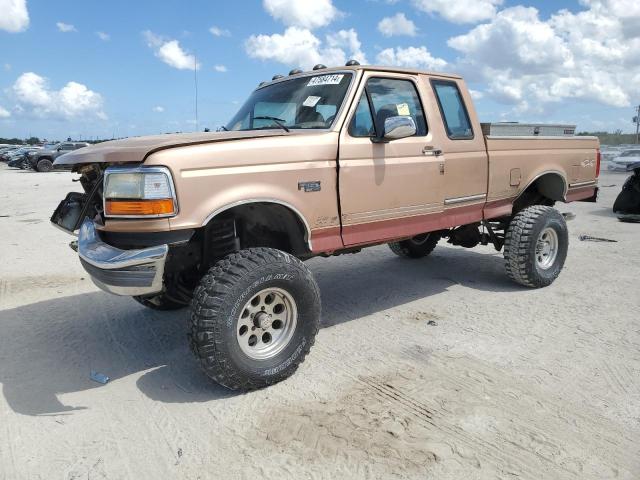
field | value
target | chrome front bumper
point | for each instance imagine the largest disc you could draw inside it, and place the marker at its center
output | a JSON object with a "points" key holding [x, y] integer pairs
{"points": [[121, 272]]}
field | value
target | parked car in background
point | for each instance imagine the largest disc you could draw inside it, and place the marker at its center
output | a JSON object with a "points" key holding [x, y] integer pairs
{"points": [[4, 152], [622, 161], [43, 160], [13, 154], [19, 158]]}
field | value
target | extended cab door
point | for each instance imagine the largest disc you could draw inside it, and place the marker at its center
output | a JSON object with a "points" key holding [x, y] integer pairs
{"points": [[460, 137], [395, 189]]}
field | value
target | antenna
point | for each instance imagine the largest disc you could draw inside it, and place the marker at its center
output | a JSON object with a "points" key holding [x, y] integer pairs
{"points": [[195, 80]]}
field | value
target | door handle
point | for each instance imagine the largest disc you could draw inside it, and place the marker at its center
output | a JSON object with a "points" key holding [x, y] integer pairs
{"points": [[431, 152]]}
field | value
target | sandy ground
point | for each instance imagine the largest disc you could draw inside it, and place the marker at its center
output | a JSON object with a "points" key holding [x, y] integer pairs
{"points": [[509, 383]]}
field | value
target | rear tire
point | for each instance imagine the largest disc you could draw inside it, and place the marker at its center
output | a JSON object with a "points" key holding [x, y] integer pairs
{"points": [[159, 302], [44, 165], [416, 247], [254, 318], [536, 245]]}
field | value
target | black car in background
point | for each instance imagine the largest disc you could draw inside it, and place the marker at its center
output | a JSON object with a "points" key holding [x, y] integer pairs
{"points": [[19, 157], [42, 160]]}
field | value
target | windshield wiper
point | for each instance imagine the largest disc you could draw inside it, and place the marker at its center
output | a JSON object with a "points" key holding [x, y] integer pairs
{"points": [[278, 121]]}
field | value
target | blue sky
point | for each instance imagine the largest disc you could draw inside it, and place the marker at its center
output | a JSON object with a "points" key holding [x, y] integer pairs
{"points": [[89, 68]]}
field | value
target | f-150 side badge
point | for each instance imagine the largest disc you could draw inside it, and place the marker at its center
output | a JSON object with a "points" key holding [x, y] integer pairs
{"points": [[309, 186]]}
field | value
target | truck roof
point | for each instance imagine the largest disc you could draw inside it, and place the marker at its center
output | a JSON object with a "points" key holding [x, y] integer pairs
{"points": [[375, 68]]}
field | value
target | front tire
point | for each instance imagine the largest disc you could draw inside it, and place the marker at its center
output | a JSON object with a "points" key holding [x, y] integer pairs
{"points": [[254, 318], [536, 245], [416, 247], [44, 165]]}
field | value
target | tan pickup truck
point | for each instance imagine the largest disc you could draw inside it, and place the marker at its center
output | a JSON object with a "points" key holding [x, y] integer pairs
{"points": [[316, 163]]}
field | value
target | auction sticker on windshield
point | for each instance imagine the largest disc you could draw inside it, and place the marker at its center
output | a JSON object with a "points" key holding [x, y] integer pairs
{"points": [[325, 80], [311, 101]]}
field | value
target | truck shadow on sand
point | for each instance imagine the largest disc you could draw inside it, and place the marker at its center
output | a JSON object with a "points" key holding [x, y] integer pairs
{"points": [[47, 349]]}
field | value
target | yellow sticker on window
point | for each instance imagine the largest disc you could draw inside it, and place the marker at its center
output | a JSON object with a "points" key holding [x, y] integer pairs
{"points": [[403, 109]]}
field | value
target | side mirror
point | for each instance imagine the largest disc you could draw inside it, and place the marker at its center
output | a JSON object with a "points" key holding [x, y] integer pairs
{"points": [[398, 127]]}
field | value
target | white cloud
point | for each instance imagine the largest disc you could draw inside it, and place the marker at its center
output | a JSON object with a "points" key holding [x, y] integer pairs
{"points": [[300, 47], [34, 95], [220, 68], [4, 113], [397, 25], [15, 17], [627, 12], [516, 39], [158, 109], [460, 11], [170, 52], [105, 37], [7, 66], [219, 32], [412, 57], [476, 94], [534, 63], [308, 14], [347, 41], [65, 27]]}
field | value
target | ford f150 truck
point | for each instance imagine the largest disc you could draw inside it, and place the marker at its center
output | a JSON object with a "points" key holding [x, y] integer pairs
{"points": [[317, 163]]}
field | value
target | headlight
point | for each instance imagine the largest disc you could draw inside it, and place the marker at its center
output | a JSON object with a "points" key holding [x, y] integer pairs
{"points": [[139, 192]]}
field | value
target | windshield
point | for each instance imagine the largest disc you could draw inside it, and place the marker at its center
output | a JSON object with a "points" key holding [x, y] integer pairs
{"points": [[300, 103], [631, 153]]}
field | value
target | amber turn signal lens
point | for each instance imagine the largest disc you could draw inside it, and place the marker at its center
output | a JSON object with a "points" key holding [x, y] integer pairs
{"points": [[139, 207]]}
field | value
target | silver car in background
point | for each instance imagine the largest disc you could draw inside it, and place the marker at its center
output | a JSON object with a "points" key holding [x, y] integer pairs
{"points": [[620, 162]]}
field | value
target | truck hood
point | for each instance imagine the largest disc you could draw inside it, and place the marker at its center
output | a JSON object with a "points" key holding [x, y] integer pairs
{"points": [[136, 149]]}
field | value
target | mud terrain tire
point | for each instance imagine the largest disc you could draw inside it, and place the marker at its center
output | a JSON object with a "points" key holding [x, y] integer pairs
{"points": [[229, 307], [536, 245], [416, 247]]}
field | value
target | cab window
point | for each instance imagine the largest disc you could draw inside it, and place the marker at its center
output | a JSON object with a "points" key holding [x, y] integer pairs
{"points": [[389, 97], [454, 112], [362, 122]]}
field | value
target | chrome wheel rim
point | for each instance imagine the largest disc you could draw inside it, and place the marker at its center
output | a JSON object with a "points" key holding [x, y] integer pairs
{"points": [[547, 248], [266, 323]]}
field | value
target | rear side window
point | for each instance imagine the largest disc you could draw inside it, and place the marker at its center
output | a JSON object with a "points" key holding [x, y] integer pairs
{"points": [[454, 112]]}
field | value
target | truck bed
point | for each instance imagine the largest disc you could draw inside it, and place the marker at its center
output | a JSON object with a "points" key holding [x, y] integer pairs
{"points": [[517, 161]]}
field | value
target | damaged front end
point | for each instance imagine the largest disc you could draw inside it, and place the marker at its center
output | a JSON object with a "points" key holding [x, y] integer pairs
{"points": [[132, 272], [76, 206]]}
